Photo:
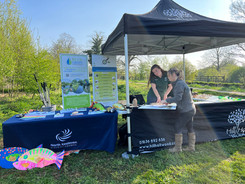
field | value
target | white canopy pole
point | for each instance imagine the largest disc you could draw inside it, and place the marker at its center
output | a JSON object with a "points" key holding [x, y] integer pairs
{"points": [[184, 61], [127, 92]]}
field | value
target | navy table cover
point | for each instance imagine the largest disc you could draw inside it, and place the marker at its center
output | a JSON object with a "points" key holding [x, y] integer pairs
{"points": [[90, 132]]}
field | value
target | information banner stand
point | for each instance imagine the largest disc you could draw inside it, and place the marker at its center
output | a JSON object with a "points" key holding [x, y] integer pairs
{"points": [[75, 81], [104, 79]]}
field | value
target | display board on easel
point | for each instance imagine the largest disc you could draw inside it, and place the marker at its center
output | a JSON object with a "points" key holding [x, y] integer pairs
{"points": [[104, 79], [75, 81]]}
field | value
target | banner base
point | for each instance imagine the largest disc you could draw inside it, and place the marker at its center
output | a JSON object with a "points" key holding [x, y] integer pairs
{"points": [[127, 155]]}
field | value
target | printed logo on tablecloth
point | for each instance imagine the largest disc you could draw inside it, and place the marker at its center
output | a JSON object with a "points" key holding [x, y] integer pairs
{"points": [[63, 135], [236, 117]]}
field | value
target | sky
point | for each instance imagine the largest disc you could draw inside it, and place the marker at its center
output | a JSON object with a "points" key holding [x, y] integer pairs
{"points": [[48, 19]]}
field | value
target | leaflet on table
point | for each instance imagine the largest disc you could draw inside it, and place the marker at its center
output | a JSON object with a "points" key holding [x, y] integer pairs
{"points": [[63, 111], [75, 81], [58, 115], [37, 115], [41, 113], [163, 107], [76, 113], [33, 116], [95, 112]]}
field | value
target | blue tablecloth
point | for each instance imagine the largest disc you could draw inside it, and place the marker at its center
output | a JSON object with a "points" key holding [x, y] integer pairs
{"points": [[95, 132]]}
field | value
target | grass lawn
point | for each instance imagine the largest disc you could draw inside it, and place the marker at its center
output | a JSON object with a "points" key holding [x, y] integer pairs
{"points": [[213, 162]]}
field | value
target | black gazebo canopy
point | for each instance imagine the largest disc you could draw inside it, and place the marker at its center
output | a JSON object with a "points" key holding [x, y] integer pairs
{"points": [[168, 29], [171, 29]]}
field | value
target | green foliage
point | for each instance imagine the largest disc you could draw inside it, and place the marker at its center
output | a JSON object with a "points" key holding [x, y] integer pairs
{"points": [[214, 84], [209, 71], [134, 89], [238, 75], [16, 45], [20, 57], [142, 71], [225, 71], [96, 42], [46, 70], [190, 70]]}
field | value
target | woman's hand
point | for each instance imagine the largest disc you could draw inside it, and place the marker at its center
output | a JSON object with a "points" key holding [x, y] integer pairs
{"points": [[154, 88], [170, 87], [159, 99], [164, 102]]}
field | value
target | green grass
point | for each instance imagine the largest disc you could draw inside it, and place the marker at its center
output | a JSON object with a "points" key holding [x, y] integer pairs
{"points": [[213, 162], [216, 162]]}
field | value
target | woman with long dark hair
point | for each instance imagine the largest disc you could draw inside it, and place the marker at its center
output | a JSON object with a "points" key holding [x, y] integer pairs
{"points": [[159, 85]]}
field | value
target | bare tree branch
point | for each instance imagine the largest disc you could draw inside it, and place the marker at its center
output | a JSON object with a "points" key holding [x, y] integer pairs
{"points": [[237, 9]]}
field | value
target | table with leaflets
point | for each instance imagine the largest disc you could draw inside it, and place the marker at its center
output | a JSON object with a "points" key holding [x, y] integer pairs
{"points": [[82, 130]]}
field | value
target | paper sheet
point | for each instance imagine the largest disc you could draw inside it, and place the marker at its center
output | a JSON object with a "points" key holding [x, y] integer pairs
{"points": [[162, 107]]}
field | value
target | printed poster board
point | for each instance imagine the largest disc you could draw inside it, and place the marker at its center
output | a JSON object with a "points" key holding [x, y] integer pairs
{"points": [[74, 81], [104, 79]]}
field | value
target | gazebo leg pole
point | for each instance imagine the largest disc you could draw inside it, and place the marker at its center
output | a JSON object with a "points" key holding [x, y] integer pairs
{"points": [[184, 62], [127, 93]]}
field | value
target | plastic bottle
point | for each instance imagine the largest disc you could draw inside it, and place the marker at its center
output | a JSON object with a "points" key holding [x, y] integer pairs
{"points": [[135, 102]]}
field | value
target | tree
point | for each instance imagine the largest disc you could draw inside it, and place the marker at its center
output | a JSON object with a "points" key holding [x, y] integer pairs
{"points": [[65, 44], [227, 70], [140, 65], [238, 76], [17, 48], [121, 61], [121, 66], [206, 72], [44, 67], [190, 69], [237, 9], [217, 57], [20, 55], [96, 43], [163, 62], [140, 71]]}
